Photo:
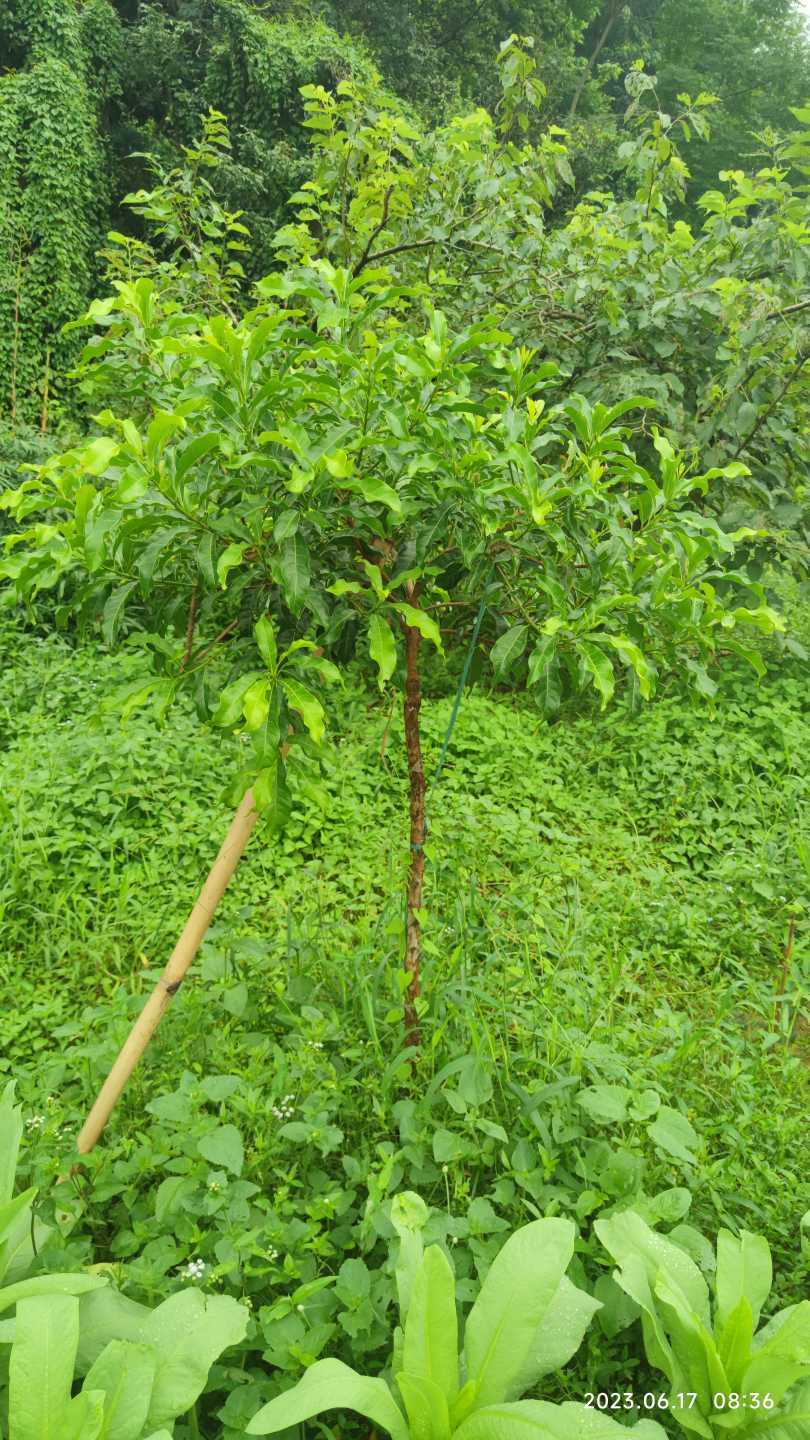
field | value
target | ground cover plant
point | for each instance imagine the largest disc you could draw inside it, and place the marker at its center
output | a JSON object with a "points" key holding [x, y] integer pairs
{"points": [[588, 1045], [482, 1108]]}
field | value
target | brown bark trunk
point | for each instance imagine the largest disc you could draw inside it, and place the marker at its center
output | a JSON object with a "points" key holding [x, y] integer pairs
{"points": [[588, 71], [416, 870]]}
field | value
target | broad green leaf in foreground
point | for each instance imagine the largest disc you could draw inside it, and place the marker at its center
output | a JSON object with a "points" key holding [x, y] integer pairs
{"points": [[41, 1366], [430, 1342], [516, 1294], [125, 1373], [331, 1385], [537, 1420]]}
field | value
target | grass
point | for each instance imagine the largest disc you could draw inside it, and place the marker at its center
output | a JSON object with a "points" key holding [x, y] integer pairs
{"points": [[607, 904]]}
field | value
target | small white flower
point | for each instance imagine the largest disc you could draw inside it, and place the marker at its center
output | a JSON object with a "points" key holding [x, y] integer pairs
{"points": [[272, 1254], [195, 1269], [35, 1122]]}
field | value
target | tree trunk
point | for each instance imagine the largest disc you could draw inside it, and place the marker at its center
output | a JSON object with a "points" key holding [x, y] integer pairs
{"points": [[615, 10], [416, 870]]}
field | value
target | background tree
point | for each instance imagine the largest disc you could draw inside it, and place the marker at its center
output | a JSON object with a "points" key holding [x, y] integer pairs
{"points": [[334, 471]]}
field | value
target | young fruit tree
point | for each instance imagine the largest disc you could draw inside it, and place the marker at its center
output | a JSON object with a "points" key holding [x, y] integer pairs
{"points": [[327, 473]]}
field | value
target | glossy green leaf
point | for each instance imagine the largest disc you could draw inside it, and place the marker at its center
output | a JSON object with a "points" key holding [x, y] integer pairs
{"points": [[514, 1299], [40, 1371], [265, 634], [229, 708], [229, 560], [59, 1283], [189, 1331], [425, 1406], [409, 1215], [539, 1420], [421, 621], [508, 648], [294, 569], [308, 706], [331, 1385], [430, 1339], [125, 1373], [743, 1270], [599, 668], [382, 648]]}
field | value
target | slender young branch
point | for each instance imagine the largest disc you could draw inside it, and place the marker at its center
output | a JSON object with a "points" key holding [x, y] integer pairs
{"points": [[362, 262], [768, 411], [191, 626], [416, 869]]}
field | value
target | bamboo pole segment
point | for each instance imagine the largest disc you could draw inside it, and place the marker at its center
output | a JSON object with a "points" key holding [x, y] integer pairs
{"points": [[173, 975]]}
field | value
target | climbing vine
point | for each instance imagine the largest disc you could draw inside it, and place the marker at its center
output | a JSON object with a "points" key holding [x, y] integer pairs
{"points": [[51, 212]]}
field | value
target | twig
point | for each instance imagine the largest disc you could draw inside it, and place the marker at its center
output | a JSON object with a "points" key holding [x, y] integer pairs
{"points": [[373, 236], [191, 626]]}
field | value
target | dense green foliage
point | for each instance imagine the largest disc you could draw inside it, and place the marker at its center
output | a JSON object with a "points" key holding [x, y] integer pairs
{"points": [[606, 908], [324, 385], [108, 80]]}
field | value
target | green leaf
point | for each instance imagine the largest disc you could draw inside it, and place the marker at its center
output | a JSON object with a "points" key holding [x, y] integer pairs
{"points": [[382, 648], [12, 1210], [205, 558], [57, 1284], [425, 1406], [673, 1133], [40, 1371], [430, 1339], [539, 1420], [125, 1373], [421, 621], [293, 564], [331, 1385], [630, 653], [266, 640], [11, 1128], [559, 1334], [308, 706], [228, 561], [607, 1104], [409, 1215], [94, 458], [508, 648], [599, 668], [792, 1421], [189, 1332], [339, 464], [782, 1352], [114, 609], [743, 1270], [83, 1416], [223, 1147], [286, 525], [272, 797], [514, 1298], [229, 708], [376, 492], [164, 424], [194, 451]]}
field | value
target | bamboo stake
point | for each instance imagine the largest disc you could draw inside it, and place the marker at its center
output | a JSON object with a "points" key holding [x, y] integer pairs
{"points": [[173, 975]]}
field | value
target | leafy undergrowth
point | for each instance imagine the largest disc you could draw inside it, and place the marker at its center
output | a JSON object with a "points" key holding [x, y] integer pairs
{"points": [[607, 1017]]}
